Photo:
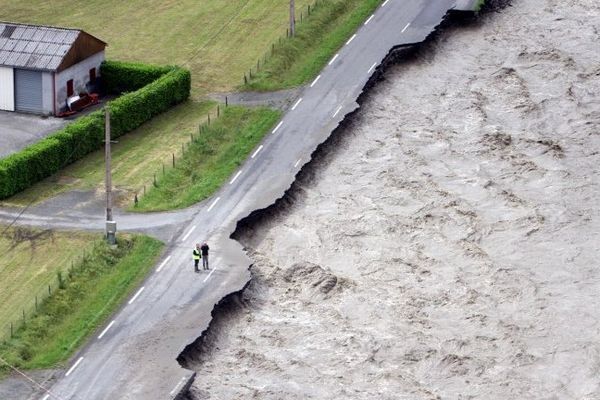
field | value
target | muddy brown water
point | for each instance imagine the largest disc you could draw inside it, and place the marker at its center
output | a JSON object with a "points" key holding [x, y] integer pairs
{"points": [[446, 244]]}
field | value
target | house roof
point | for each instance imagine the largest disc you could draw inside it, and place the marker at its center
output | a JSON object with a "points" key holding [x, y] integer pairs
{"points": [[35, 46]]}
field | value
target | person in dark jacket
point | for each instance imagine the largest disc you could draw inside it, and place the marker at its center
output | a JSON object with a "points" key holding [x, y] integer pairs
{"points": [[196, 256], [205, 249]]}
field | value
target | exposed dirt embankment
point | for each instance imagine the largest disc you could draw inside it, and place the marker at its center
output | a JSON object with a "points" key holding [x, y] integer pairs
{"points": [[445, 244]]}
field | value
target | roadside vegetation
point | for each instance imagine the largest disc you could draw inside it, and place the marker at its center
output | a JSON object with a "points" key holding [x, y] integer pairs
{"points": [[211, 158], [89, 294], [135, 158], [299, 59]]}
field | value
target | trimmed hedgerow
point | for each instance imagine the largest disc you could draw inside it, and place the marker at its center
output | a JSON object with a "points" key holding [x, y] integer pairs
{"points": [[20, 170], [119, 77]]}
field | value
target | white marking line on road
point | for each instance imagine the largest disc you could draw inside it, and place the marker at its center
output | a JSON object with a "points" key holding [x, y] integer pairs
{"points": [[351, 39], [137, 294], [163, 264], [337, 111], [209, 274], [106, 329], [372, 67], [384, 3], [46, 397], [74, 366], [235, 177], [297, 162], [187, 235], [257, 151], [370, 18], [214, 202], [277, 127], [406, 27], [334, 58], [181, 381], [296, 105], [315, 81]]}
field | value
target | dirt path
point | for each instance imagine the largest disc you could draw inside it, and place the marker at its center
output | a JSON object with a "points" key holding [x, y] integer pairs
{"points": [[446, 244]]}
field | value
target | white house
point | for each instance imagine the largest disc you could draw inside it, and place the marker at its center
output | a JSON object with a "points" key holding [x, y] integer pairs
{"points": [[41, 66]]}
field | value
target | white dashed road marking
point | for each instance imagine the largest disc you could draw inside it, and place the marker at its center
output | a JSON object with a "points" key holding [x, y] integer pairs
{"points": [[106, 330], [297, 162], [137, 294], [406, 27], [315, 81], [235, 177], [257, 151], [209, 274], [296, 105], [163, 264], [369, 20], [384, 3], [351, 39], [337, 111], [187, 235], [74, 366], [46, 397], [277, 127], [181, 382], [214, 203], [372, 68], [334, 58]]}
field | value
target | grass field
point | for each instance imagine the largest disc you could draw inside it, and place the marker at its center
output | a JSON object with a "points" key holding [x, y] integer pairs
{"points": [[217, 40], [211, 159], [98, 285], [29, 262]]}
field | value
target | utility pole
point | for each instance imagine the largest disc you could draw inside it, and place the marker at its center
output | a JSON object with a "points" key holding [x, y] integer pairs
{"points": [[292, 18], [111, 226]]}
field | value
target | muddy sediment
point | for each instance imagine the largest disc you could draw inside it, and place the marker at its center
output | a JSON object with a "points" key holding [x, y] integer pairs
{"points": [[445, 243]]}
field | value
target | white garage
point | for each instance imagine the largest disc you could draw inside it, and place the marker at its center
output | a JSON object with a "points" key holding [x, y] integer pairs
{"points": [[41, 66]]}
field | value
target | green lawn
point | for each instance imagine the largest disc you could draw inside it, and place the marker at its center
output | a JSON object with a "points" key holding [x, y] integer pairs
{"points": [[298, 60], [95, 289], [217, 40], [29, 262], [218, 151]]}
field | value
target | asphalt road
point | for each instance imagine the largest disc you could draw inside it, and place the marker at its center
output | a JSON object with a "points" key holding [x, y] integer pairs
{"points": [[134, 356]]}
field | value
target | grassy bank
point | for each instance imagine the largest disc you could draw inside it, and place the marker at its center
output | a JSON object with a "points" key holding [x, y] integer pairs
{"points": [[211, 159], [29, 263], [97, 286], [299, 59]]}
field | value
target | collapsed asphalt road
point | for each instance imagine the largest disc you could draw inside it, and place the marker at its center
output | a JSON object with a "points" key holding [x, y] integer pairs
{"points": [[445, 244], [134, 356]]}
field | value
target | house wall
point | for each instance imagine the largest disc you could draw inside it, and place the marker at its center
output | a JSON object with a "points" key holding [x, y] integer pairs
{"points": [[7, 89], [47, 93], [80, 73]]}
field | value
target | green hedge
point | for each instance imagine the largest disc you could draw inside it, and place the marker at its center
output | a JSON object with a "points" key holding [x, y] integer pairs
{"points": [[119, 77], [21, 170]]}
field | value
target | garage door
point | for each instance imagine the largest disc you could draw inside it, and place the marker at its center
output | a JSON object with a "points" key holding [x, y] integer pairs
{"points": [[28, 91], [7, 90]]}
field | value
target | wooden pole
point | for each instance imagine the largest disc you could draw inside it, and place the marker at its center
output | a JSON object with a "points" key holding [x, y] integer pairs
{"points": [[107, 157], [292, 18]]}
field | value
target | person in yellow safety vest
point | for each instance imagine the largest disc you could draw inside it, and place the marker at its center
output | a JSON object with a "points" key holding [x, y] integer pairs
{"points": [[197, 256]]}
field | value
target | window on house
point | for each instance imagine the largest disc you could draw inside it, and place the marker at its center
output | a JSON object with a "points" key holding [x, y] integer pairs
{"points": [[93, 75], [70, 90]]}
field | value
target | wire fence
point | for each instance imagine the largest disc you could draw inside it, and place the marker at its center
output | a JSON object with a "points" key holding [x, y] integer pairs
{"points": [[29, 309], [300, 16]]}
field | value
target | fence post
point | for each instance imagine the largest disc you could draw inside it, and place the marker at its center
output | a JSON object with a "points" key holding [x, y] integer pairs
{"points": [[11, 330], [155, 185], [36, 303], [208, 118], [49, 291], [218, 111], [144, 190], [174, 159], [135, 200], [226, 102], [245, 79]]}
